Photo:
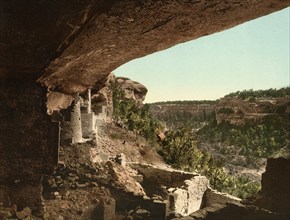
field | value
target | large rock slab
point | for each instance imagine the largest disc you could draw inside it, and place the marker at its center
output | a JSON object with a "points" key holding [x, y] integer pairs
{"points": [[78, 43]]}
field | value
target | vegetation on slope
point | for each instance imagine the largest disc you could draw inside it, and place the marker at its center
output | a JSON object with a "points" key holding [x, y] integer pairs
{"points": [[134, 117], [269, 93], [180, 147], [254, 141], [187, 102]]}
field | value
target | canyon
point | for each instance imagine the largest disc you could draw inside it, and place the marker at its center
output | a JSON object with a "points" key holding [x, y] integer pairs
{"points": [[52, 51], [234, 110]]}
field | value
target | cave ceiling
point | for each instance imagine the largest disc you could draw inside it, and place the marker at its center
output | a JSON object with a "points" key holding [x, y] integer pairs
{"points": [[70, 45]]}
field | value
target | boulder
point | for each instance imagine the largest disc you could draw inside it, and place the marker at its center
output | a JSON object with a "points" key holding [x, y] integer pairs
{"points": [[132, 89]]}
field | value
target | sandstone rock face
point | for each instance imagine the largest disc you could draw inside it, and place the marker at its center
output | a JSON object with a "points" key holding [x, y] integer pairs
{"points": [[57, 101], [132, 89], [239, 111], [233, 110], [176, 114], [79, 43], [102, 94], [28, 143]]}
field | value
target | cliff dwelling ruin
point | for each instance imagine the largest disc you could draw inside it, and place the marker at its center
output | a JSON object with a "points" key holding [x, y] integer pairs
{"points": [[56, 57]]}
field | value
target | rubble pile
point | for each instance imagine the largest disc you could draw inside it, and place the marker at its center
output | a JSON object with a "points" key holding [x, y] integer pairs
{"points": [[104, 183], [82, 189], [12, 212], [78, 186]]}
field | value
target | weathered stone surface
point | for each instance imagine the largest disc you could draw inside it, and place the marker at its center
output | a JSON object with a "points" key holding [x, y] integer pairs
{"points": [[107, 210], [213, 197], [57, 101], [202, 213], [241, 212], [189, 198], [271, 204], [87, 124], [33, 33], [132, 89], [76, 122], [92, 38], [275, 193], [142, 213], [121, 159], [26, 151], [131, 29], [156, 177], [102, 95], [185, 190]]}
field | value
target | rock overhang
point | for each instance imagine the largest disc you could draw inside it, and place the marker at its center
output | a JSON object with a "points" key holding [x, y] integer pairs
{"points": [[72, 45]]}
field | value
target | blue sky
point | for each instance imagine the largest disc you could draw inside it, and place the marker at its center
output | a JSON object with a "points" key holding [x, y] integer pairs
{"points": [[254, 55]]}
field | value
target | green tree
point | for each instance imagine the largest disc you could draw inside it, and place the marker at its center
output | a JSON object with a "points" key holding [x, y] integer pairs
{"points": [[136, 117], [180, 150]]}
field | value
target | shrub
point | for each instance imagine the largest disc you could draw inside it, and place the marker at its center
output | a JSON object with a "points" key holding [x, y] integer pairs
{"points": [[136, 117], [179, 149], [226, 111]]}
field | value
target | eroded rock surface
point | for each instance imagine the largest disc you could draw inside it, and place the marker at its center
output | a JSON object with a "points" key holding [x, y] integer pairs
{"points": [[132, 89], [79, 43], [275, 193]]}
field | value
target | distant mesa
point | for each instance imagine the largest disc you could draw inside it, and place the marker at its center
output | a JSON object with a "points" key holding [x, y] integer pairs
{"points": [[234, 109]]}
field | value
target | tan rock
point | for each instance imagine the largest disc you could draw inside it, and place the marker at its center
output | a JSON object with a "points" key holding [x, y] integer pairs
{"points": [[132, 89]]}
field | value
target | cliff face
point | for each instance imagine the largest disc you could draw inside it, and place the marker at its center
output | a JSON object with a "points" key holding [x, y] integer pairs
{"points": [[233, 110], [74, 44], [239, 111], [176, 114], [102, 94]]}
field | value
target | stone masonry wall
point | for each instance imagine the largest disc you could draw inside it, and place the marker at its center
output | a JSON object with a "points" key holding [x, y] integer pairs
{"points": [[87, 124], [275, 193], [184, 190], [76, 123]]}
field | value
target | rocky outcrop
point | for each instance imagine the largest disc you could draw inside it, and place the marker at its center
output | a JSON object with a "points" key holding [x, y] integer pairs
{"points": [[176, 114], [213, 197], [102, 94], [80, 42], [233, 110], [240, 111], [132, 89]]}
